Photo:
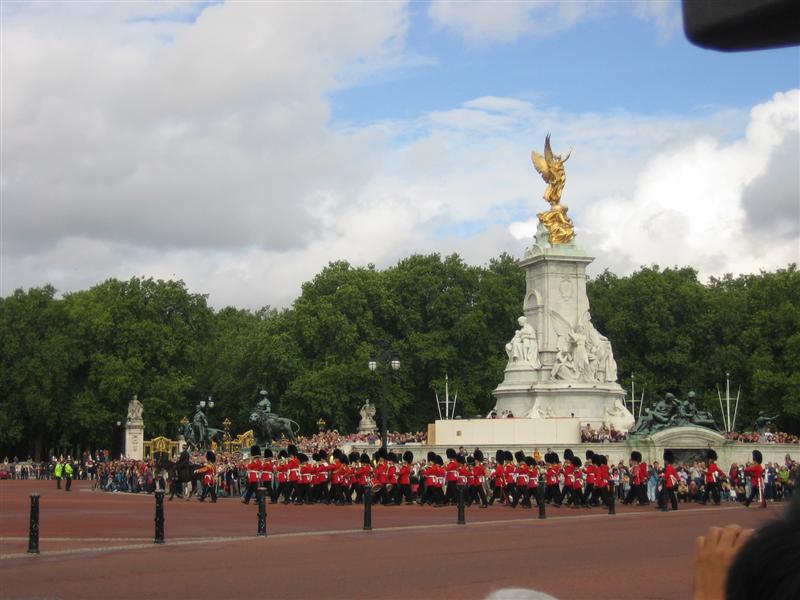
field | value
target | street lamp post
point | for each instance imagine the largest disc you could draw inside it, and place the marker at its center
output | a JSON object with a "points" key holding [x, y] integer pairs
{"points": [[387, 361], [121, 435]]}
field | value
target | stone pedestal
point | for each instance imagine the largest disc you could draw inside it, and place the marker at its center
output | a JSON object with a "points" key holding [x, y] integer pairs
{"points": [[557, 308], [134, 440]]}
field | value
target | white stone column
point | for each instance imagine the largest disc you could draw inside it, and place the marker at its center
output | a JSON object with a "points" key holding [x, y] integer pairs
{"points": [[134, 439]]}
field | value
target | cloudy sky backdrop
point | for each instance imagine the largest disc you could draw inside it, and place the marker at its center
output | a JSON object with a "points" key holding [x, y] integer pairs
{"points": [[242, 146]]}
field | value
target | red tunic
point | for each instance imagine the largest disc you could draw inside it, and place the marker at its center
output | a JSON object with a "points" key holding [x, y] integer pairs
{"points": [[478, 475], [713, 473], [640, 474], [267, 468], [404, 475], [510, 473], [755, 471], [591, 471], [452, 470], [364, 474], [293, 468], [499, 476], [254, 470], [577, 479], [533, 477], [670, 476], [282, 470]]}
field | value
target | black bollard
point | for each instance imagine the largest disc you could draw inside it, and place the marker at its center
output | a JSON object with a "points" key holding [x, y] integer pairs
{"points": [[461, 519], [367, 508], [612, 501], [262, 511], [33, 532], [159, 517], [540, 496]]}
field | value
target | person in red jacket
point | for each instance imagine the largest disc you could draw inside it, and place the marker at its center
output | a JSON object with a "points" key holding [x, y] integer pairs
{"points": [[756, 473], [363, 476], [476, 479], [713, 475], [451, 478], [520, 480], [209, 472], [552, 492], [590, 468], [638, 474], [268, 475], [567, 469], [404, 479], [283, 477], [533, 483], [578, 499], [253, 473], [498, 478], [670, 482]]}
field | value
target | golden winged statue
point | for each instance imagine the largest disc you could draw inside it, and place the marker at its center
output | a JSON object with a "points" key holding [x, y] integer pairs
{"points": [[551, 168]]}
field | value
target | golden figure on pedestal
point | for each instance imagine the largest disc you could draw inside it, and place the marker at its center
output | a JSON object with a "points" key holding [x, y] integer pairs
{"points": [[551, 168]]}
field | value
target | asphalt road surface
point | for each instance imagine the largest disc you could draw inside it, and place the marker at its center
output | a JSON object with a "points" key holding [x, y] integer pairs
{"points": [[100, 545]]}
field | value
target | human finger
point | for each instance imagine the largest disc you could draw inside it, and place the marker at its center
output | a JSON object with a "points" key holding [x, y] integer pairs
{"points": [[699, 544], [713, 535], [729, 535]]}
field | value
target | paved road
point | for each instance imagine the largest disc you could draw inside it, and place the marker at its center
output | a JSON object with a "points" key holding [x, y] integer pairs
{"points": [[93, 543]]}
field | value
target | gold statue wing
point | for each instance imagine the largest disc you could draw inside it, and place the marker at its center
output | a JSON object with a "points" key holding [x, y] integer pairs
{"points": [[548, 151], [540, 164]]}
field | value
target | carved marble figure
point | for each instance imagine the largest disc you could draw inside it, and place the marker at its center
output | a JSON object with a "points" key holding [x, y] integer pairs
{"points": [[524, 347], [135, 409]]}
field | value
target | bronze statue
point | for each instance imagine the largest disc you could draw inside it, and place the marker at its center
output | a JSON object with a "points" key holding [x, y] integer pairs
{"points": [[269, 427], [673, 412], [551, 168]]}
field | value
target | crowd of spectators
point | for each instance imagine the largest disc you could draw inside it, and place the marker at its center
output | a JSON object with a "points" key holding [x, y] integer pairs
{"points": [[767, 437], [606, 433], [327, 440]]}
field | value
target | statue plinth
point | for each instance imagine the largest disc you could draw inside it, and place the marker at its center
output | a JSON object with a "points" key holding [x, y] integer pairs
{"points": [[134, 439], [576, 375]]}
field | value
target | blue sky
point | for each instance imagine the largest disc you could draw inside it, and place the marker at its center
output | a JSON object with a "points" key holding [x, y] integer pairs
{"points": [[241, 146], [611, 61]]}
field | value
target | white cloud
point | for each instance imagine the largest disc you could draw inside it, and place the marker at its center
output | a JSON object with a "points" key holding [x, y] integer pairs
{"points": [[484, 22], [203, 151]]}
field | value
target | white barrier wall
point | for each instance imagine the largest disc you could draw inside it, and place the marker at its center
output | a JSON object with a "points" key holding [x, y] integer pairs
{"points": [[490, 432]]}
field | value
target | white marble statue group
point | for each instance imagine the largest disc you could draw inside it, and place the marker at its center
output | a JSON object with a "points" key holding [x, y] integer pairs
{"points": [[583, 353]]}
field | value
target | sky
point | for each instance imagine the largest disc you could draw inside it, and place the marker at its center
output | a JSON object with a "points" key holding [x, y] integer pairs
{"points": [[242, 146]]}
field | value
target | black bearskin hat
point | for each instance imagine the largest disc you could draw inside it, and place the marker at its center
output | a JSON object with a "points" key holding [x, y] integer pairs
{"points": [[757, 456], [391, 457], [711, 454], [353, 457], [315, 456], [267, 453], [499, 456], [431, 456], [636, 455], [439, 460], [291, 450], [529, 461], [554, 458], [345, 460], [255, 451], [365, 458], [568, 454], [323, 455], [589, 455], [282, 454], [519, 455], [337, 453], [508, 456], [576, 461], [470, 460], [303, 458], [382, 453], [408, 456], [451, 454], [669, 456], [211, 457], [461, 460], [478, 455]]}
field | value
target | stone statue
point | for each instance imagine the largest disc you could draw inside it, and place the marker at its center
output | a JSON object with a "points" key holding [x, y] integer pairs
{"points": [[619, 417], [562, 366], [200, 427], [135, 409], [200, 440], [269, 427], [541, 410], [524, 347], [367, 423], [763, 421], [551, 168]]}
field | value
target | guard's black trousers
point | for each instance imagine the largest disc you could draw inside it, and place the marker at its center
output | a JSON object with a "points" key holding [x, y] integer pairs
{"points": [[668, 495], [636, 492], [712, 489]]}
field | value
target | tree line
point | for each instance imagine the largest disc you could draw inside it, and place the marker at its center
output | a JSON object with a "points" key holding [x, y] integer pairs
{"points": [[69, 365]]}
